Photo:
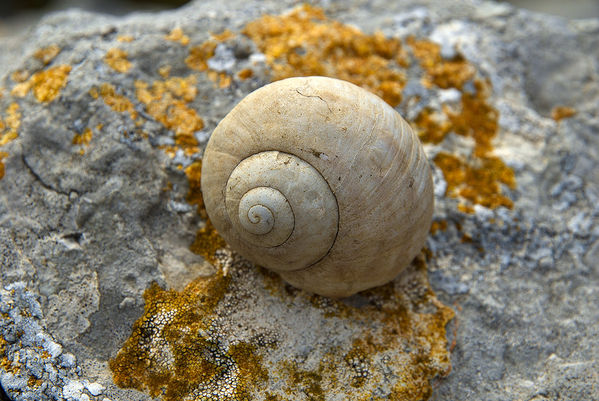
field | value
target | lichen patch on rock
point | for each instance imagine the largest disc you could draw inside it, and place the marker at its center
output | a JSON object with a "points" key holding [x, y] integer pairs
{"points": [[177, 35], [117, 60], [9, 127], [166, 101], [45, 84], [194, 344]]}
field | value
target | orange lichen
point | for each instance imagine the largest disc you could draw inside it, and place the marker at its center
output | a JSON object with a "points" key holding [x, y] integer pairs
{"points": [[3, 155], [561, 112], [177, 35], [117, 60], [440, 225], [480, 183], [194, 195], [9, 131], [84, 138], [20, 76], [222, 79], [47, 54], [305, 42], [10, 125], [125, 38], [223, 36], [115, 101], [8, 136], [46, 85], [207, 242], [245, 74], [429, 128], [410, 314], [166, 101], [199, 55], [170, 354], [477, 119], [165, 71], [443, 73]]}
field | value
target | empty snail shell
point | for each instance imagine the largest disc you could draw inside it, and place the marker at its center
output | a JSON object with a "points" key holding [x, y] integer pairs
{"points": [[321, 181]]}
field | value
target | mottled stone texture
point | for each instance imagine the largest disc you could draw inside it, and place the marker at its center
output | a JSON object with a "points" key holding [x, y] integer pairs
{"points": [[102, 125]]}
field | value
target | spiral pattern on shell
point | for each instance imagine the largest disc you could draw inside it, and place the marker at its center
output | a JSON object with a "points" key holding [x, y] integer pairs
{"points": [[320, 181]]}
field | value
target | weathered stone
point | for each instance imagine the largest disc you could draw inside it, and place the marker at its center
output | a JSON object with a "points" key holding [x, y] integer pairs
{"points": [[103, 121]]}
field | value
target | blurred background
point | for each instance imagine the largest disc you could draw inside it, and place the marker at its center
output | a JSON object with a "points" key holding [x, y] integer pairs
{"points": [[18, 15]]}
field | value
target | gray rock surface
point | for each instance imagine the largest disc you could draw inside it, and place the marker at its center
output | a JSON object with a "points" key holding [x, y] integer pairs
{"points": [[83, 235]]}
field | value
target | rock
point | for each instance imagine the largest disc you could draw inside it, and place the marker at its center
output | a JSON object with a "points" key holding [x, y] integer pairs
{"points": [[114, 285]]}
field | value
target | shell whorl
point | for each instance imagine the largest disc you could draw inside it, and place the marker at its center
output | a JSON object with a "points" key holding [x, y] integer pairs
{"points": [[274, 198], [259, 209], [321, 181]]}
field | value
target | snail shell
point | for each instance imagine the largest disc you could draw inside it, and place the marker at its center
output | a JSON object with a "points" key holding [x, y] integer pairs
{"points": [[321, 181]]}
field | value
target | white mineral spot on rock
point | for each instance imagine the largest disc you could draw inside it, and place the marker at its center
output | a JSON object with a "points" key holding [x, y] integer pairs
{"points": [[94, 389]]}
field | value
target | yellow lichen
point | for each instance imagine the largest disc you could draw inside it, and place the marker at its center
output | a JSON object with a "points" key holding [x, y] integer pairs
{"points": [[10, 125], [117, 60], [165, 71], [222, 79], [3, 155], [561, 112], [84, 139], [194, 195], [478, 183], [170, 354], [166, 101], [305, 42], [207, 242], [199, 55], [47, 54], [429, 128], [438, 225], [125, 38], [442, 73], [20, 76], [245, 73], [177, 35], [115, 101], [46, 85], [223, 36], [9, 131]]}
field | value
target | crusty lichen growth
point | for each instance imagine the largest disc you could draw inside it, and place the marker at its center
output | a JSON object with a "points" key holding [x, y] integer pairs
{"points": [[560, 112], [172, 354], [47, 54], [9, 127], [194, 195], [117, 60], [207, 242], [83, 139], [177, 35], [46, 85], [180, 350], [114, 100], [3, 155], [199, 56], [167, 102], [478, 181], [305, 42]]}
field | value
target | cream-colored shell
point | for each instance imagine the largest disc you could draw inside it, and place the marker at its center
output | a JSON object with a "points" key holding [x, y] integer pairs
{"points": [[321, 181]]}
